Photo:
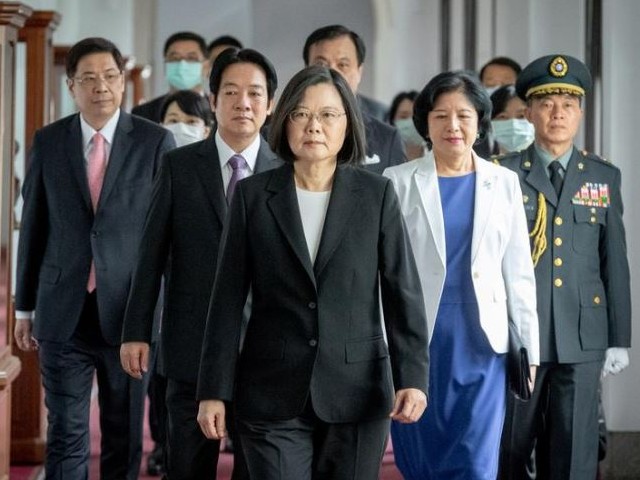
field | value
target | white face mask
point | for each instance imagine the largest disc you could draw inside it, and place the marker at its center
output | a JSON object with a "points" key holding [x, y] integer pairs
{"points": [[513, 134], [185, 134], [408, 132]]}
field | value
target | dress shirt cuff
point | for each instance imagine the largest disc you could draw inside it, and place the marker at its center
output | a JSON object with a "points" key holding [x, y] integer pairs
{"points": [[24, 315]]}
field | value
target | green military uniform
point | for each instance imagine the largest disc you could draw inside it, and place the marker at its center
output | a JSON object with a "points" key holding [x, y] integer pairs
{"points": [[583, 294]]}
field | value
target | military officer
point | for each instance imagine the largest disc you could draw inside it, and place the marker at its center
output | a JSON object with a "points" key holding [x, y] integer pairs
{"points": [[574, 209]]}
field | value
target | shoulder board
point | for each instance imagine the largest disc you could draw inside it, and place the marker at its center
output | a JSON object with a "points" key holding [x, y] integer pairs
{"points": [[597, 158]]}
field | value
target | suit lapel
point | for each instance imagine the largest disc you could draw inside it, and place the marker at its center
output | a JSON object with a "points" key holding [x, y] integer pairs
{"points": [[266, 159], [426, 184], [484, 200], [122, 143], [343, 204], [75, 153], [284, 207], [210, 175], [537, 176]]}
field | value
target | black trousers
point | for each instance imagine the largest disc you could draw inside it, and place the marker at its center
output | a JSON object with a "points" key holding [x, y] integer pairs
{"points": [[68, 369], [189, 454], [306, 448], [560, 420]]}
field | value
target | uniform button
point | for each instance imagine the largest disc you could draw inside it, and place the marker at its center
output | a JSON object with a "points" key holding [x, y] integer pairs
{"points": [[312, 305], [313, 342], [557, 282], [558, 221], [557, 241], [593, 209], [476, 275], [557, 262], [593, 219], [596, 300]]}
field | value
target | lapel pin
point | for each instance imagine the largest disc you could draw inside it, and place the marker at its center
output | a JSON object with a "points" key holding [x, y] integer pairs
{"points": [[580, 166]]}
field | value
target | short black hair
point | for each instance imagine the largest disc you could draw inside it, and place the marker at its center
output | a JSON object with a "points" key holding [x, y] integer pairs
{"points": [[224, 40], [503, 61], [88, 46], [459, 80], [191, 103], [186, 36], [329, 33], [246, 55], [353, 148], [501, 97], [397, 100]]}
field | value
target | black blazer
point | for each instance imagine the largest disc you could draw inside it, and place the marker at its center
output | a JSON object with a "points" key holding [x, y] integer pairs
{"points": [[60, 233], [315, 330], [151, 110], [184, 225], [384, 145]]}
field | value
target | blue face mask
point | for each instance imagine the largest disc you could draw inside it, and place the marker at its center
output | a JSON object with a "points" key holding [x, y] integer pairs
{"points": [[184, 75], [408, 132], [513, 134]]}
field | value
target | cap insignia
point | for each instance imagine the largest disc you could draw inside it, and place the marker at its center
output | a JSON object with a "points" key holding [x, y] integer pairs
{"points": [[558, 67]]}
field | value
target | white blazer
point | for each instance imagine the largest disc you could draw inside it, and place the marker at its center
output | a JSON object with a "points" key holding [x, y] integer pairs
{"points": [[501, 265]]}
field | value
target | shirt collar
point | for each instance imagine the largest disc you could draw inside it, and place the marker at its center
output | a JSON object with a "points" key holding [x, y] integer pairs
{"points": [[547, 158], [108, 131], [225, 152]]}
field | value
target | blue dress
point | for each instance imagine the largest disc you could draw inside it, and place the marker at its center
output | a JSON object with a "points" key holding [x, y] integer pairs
{"points": [[458, 437]]}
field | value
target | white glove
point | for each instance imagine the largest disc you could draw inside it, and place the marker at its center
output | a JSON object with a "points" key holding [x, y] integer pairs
{"points": [[616, 360]]}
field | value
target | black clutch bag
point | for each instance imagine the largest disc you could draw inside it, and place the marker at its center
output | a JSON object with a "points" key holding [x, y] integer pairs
{"points": [[518, 373]]}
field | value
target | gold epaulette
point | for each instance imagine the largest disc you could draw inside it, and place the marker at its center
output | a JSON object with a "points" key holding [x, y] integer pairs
{"points": [[538, 233]]}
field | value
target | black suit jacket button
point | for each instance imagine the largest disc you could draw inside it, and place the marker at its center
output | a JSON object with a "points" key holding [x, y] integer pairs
{"points": [[313, 342], [312, 305], [94, 233]]}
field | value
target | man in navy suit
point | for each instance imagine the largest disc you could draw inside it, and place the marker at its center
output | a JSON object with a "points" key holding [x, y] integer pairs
{"points": [[86, 195], [341, 49], [185, 225]]}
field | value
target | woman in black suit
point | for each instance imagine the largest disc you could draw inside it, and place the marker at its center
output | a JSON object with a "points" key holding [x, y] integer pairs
{"points": [[318, 240]]}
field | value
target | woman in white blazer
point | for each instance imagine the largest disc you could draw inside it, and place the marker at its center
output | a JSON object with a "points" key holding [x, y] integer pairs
{"points": [[470, 240]]}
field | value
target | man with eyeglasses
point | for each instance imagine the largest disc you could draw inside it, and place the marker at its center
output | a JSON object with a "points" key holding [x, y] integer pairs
{"points": [[341, 49], [86, 195], [185, 55]]}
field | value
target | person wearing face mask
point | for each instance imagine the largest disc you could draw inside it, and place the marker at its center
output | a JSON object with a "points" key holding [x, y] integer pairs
{"points": [[495, 73], [185, 56], [511, 130], [188, 116], [401, 117]]}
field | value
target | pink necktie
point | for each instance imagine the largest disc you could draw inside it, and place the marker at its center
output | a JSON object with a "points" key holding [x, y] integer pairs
{"points": [[95, 172], [240, 171]]}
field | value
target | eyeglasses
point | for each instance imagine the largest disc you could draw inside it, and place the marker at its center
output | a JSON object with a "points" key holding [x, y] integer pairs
{"points": [[90, 80], [325, 117]]}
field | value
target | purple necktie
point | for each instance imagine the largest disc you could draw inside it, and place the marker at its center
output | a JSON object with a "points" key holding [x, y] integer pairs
{"points": [[240, 171]]}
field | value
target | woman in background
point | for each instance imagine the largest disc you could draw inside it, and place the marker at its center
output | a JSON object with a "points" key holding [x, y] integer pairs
{"points": [[511, 130], [188, 116], [469, 237], [400, 116]]}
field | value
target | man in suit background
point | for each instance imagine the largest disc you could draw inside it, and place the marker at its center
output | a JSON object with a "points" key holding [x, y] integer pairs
{"points": [[574, 208], [185, 55], [86, 195], [184, 227], [341, 49]]}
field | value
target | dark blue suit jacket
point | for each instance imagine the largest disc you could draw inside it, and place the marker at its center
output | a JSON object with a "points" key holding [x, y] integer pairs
{"points": [[60, 234]]}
